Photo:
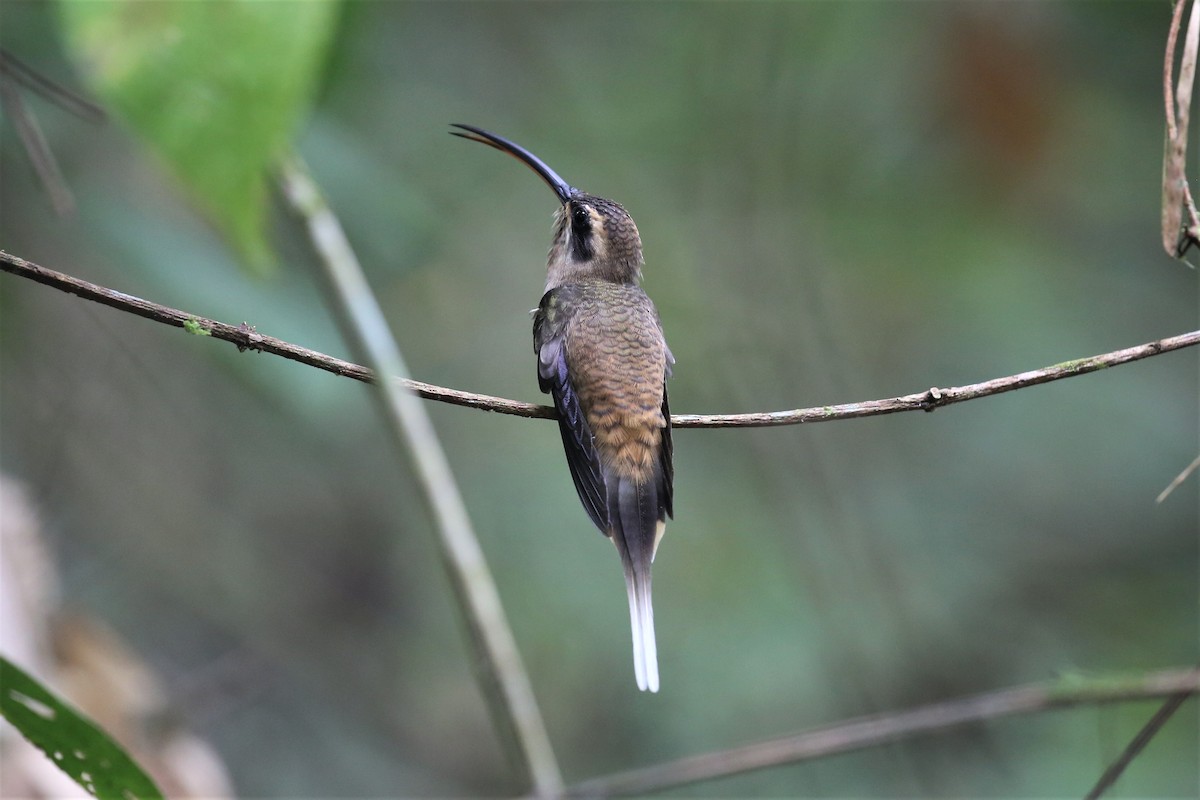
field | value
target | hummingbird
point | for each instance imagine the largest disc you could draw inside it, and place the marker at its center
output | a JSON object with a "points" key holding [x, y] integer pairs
{"points": [[602, 357]]}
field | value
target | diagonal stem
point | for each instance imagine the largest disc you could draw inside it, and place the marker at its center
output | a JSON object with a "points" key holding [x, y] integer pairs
{"points": [[1138, 743], [501, 674]]}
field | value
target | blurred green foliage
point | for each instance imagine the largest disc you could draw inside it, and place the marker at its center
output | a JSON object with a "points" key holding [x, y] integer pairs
{"points": [[216, 88], [839, 202]]}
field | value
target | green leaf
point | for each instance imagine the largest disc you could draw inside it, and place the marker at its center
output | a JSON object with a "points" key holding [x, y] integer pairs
{"points": [[78, 747], [216, 88]]}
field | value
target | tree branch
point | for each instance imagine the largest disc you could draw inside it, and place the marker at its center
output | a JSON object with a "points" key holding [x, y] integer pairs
{"points": [[1137, 744], [1177, 237], [1178, 480], [245, 337], [880, 729]]}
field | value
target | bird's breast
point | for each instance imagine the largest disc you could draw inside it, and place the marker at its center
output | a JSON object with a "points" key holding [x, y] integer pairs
{"points": [[617, 359]]}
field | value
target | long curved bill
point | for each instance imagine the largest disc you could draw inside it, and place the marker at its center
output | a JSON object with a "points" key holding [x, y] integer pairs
{"points": [[561, 188]]}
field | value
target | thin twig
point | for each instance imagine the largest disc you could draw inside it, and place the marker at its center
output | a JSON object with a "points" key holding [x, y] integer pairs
{"points": [[1178, 101], [245, 337], [14, 73], [1137, 744], [1180, 478], [39, 152], [1183, 102], [1169, 68], [55, 92], [495, 657], [884, 728], [1174, 152]]}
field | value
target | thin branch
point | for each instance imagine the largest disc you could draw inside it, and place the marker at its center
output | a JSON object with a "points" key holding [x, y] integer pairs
{"points": [[881, 729], [1183, 101], [1176, 194], [39, 152], [55, 92], [14, 73], [1138, 743], [1179, 479], [495, 657], [1169, 68], [245, 337]]}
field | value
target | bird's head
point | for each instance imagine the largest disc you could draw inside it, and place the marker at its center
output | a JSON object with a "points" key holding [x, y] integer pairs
{"points": [[594, 238]]}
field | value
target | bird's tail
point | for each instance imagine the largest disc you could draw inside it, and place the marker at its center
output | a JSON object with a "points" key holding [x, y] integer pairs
{"points": [[637, 524]]}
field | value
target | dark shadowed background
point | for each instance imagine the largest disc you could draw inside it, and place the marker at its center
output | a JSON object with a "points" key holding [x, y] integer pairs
{"points": [[839, 202]]}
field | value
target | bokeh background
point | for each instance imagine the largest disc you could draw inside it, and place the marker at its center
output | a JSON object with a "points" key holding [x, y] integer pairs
{"points": [[839, 202]]}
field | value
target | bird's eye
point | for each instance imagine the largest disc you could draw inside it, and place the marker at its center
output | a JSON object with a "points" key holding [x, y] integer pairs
{"points": [[581, 233], [581, 221]]}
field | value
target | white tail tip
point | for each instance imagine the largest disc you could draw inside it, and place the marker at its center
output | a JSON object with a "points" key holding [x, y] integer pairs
{"points": [[641, 620]]}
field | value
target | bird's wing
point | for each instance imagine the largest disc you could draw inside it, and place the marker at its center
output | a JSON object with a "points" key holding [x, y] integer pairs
{"points": [[666, 468], [549, 330]]}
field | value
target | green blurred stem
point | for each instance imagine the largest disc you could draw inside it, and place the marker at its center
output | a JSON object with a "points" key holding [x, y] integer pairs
{"points": [[878, 729], [498, 664]]}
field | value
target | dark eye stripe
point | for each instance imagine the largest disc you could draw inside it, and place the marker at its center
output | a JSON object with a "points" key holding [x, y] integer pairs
{"points": [[581, 234]]}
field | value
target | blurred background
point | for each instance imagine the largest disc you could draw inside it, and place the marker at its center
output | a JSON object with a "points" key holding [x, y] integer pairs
{"points": [[839, 202]]}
